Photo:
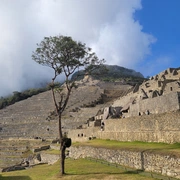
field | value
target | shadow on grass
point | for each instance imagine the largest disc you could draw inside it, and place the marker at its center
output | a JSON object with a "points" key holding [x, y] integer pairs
{"points": [[109, 173], [133, 171], [71, 174], [15, 177]]}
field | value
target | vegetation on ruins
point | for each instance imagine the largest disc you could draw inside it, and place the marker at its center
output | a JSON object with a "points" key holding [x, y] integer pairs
{"points": [[65, 56]]}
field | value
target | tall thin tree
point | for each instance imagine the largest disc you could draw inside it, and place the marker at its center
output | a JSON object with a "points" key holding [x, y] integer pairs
{"points": [[64, 55]]}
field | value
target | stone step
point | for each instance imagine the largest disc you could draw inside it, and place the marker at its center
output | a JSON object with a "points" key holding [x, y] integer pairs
{"points": [[11, 153], [9, 161]]}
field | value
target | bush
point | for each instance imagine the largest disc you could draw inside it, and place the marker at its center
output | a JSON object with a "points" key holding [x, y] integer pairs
{"points": [[68, 142]]}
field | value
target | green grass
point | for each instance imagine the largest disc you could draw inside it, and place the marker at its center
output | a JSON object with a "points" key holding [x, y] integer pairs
{"points": [[139, 146], [52, 151], [26, 153], [81, 169]]}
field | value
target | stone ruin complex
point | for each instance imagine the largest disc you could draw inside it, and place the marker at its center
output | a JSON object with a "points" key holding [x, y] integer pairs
{"points": [[94, 101], [149, 112], [158, 97], [35, 118], [161, 93]]}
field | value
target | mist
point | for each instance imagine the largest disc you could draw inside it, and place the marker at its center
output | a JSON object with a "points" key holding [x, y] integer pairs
{"points": [[109, 28]]}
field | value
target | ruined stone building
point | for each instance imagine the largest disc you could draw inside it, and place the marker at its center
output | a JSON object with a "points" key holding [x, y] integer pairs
{"points": [[161, 93], [149, 112]]}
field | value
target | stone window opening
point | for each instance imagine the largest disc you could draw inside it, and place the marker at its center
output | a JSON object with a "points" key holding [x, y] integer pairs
{"points": [[171, 88]]}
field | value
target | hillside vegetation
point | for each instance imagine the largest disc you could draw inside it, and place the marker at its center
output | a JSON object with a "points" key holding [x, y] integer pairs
{"points": [[19, 96], [113, 73]]}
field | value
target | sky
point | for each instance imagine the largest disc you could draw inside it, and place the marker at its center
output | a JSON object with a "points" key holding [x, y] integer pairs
{"points": [[143, 35]]}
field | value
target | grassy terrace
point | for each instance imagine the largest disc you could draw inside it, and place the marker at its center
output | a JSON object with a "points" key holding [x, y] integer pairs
{"points": [[134, 146], [81, 169]]}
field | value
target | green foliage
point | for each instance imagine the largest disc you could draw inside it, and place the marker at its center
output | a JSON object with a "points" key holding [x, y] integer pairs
{"points": [[63, 54], [18, 96], [68, 142]]}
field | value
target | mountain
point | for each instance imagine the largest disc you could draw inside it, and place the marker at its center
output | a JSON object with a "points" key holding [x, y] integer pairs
{"points": [[110, 73]]}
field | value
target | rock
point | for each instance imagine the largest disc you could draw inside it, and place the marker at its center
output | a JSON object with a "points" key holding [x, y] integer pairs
{"points": [[13, 168]]}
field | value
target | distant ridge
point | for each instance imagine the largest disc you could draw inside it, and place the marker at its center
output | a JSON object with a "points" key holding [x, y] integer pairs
{"points": [[122, 71], [111, 72]]}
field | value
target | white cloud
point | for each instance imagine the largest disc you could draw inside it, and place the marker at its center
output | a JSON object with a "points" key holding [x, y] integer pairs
{"points": [[107, 27]]}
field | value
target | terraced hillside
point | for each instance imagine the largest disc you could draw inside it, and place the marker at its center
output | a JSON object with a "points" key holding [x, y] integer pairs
{"points": [[34, 117], [27, 118], [13, 152]]}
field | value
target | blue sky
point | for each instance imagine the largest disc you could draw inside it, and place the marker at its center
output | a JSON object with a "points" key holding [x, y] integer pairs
{"points": [[138, 34], [161, 18]]}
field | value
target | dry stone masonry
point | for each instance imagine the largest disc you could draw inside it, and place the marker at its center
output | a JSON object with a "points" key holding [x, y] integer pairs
{"points": [[148, 112], [166, 165]]}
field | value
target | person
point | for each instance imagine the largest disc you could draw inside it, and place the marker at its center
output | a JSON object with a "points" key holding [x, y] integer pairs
{"points": [[102, 125], [147, 112]]}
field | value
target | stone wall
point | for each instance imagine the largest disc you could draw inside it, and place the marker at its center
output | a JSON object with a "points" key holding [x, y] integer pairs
{"points": [[49, 158], [80, 135], [122, 101], [150, 128], [172, 86], [161, 104], [163, 164]]}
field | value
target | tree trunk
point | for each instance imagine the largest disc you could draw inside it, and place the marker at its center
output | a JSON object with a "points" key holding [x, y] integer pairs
{"points": [[61, 138], [62, 159], [62, 148]]}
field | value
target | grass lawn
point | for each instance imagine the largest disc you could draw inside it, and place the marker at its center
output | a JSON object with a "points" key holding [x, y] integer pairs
{"points": [[156, 147], [81, 169]]}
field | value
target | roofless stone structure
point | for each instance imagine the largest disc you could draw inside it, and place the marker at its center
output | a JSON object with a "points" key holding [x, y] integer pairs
{"points": [[149, 112]]}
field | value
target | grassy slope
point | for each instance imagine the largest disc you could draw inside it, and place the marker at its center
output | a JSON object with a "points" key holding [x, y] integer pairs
{"points": [[81, 169], [85, 169]]}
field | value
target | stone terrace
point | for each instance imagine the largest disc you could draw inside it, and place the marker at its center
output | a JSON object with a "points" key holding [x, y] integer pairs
{"points": [[13, 152], [27, 118], [33, 118]]}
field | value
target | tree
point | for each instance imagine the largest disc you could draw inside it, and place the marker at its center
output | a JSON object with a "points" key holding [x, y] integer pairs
{"points": [[64, 55]]}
